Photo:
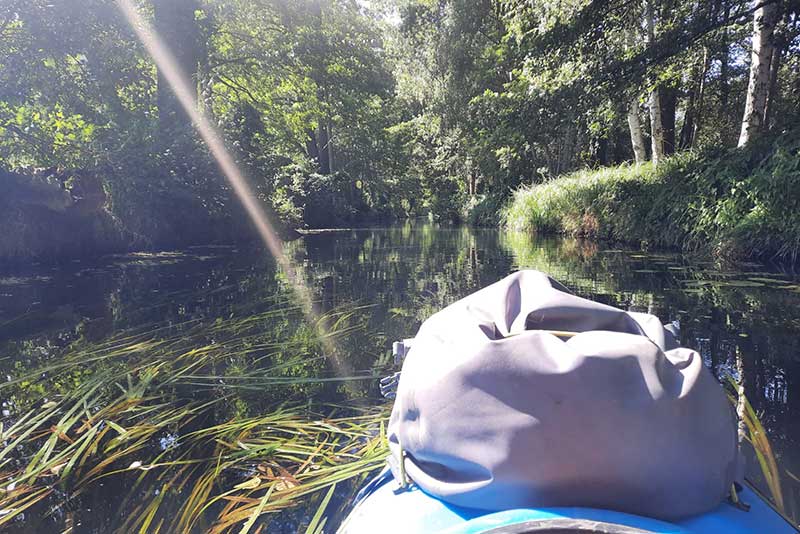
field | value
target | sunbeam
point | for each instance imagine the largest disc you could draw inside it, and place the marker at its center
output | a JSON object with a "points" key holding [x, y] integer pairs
{"points": [[186, 94]]}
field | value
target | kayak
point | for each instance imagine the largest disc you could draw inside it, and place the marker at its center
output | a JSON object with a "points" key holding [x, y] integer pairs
{"points": [[383, 507]]}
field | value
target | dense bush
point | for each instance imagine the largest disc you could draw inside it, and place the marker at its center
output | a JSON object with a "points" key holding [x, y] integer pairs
{"points": [[484, 210], [737, 202]]}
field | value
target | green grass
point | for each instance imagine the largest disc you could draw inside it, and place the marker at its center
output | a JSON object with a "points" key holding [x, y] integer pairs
{"points": [[731, 203]]}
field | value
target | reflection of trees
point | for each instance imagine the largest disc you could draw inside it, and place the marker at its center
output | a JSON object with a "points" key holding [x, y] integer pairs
{"points": [[724, 313], [406, 273], [390, 280]]}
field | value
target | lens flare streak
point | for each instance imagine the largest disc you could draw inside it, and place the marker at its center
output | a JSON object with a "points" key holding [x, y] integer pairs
{"points": [[186, 94]]}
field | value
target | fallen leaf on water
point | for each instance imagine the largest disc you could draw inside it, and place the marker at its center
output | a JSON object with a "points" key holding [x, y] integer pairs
{"points": [[284, 484], [56, 469], [251, 483]]}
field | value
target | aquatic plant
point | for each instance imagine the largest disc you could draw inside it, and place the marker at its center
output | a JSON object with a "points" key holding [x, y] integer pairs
{"points": [[751, 430], [194, 420]]}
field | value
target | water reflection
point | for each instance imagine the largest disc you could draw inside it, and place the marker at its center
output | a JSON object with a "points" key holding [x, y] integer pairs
{"points": [[392, 279], [751, 315]]}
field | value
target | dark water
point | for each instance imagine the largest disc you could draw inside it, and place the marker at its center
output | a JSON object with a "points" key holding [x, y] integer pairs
{"points": [[397, 277]]}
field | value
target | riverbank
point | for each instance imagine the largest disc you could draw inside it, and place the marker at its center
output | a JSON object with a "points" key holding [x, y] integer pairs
{"points": [[737, 203], [62, 215]]}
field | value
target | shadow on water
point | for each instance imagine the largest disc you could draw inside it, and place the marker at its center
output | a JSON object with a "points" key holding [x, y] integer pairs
{"points": [[390, 279]]}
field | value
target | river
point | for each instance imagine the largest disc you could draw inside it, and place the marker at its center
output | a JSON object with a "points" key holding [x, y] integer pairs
{"points": [[393, 278]]}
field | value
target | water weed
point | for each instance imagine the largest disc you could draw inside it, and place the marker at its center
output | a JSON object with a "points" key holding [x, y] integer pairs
{"points": [[199, 422]]}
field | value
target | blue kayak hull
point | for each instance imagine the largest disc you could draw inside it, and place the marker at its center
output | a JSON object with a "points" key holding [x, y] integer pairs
{"points": [[385, 510]]}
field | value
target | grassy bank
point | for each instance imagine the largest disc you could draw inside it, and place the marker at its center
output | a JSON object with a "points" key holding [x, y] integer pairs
{"points": [[732, 203]]}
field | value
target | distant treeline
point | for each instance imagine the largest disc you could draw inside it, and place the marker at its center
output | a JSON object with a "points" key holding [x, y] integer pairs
{"points": [[342, 112]]}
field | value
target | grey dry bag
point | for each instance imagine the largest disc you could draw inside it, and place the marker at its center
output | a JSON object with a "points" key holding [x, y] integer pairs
{"points": [[525, 395]]}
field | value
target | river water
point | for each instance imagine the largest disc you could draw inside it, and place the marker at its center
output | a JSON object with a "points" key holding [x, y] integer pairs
{"points": [[747, 316]]}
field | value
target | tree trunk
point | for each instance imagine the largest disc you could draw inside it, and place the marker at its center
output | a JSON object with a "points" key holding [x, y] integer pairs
{"points": [[324, 161], [634, 123], [602, 150], [331, 164], [669, 102], [691, 121], [175, 23], [698, 122], [635, 127], [619, 152], [757, 89], [772, 93], [312, 149], [656, 127], [724, 64]]}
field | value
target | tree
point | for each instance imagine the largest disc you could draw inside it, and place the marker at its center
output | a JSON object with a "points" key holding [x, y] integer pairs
{"points": [[177, 26], [696, 91], [634, 123], [755, 111], [654, 100], [635, 128]]}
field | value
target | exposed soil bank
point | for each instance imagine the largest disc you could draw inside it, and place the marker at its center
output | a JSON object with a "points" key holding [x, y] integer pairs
{"points": [[68, 214], [56, 216]]}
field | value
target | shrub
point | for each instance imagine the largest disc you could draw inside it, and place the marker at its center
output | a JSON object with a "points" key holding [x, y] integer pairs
{"points": [[484, 210], [738, 202]]}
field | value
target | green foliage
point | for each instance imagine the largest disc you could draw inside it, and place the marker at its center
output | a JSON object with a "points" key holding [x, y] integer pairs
{"points": [[484, 210], [729, 202], [80, 92], [343, 112], [286, 77]]}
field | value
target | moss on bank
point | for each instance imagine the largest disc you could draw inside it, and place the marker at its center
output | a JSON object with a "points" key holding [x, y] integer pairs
{"points": [[733, 203]]}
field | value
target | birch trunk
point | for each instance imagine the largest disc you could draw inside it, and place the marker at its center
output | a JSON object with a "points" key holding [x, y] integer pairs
{"points": [[669, 104], [758, 87], [656, 127], [635, 127], [634, 123]]}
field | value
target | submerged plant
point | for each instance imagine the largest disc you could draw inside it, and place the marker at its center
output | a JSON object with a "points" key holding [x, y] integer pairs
{"points": [[195, 421], [753, 431]]}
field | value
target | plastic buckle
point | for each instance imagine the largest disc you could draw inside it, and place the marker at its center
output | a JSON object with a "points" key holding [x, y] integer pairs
{"points": [[398, 469], [400, 350]]}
